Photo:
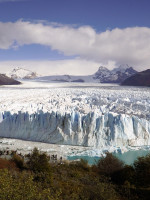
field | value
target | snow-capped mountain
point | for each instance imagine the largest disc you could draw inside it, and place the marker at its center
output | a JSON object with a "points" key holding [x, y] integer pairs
{"points": [[20, 73], [103, 75], [117, 75]]}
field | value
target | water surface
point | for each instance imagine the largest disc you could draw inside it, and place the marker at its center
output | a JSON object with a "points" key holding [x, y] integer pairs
{"points": [[127, 157]]}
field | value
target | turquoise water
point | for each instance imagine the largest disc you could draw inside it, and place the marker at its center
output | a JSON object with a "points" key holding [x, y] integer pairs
{"points": [[127, 157]]}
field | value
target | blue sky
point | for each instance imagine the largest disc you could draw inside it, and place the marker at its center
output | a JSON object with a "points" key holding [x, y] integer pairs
{"points": [[95, 21], [99, 14]]}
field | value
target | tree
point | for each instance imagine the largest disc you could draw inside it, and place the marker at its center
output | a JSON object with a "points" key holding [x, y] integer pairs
{"points": [[109, 165], [39, 164], [19, 161], [142, 171], [126, 174]]}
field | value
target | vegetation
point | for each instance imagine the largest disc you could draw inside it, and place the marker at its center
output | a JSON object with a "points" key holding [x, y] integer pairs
{"points": [[142, 171], [38, 179], [109, 165]]}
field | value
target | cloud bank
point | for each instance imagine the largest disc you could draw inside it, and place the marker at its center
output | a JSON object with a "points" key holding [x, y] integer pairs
{"points": [[129, 45]]}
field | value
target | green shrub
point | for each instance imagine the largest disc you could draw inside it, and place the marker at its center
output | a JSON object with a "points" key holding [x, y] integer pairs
{"points": [[21, 186], [142, 171], [19, 161], [83, 164], [38, 162], [126, 174], [109, 165]]}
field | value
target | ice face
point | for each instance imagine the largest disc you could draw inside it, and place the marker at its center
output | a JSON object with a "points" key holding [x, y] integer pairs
{"points": [[93, 129], [96, 116]]}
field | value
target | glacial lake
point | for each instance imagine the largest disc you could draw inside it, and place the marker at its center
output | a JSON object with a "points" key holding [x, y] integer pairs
{"points": [[128, 157]]}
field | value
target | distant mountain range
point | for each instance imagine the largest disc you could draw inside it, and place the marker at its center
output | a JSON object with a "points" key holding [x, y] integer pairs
{"points": [[138, 79], [20, 73], [124, 75], [103, 75], [117, 75], [5, 80]]}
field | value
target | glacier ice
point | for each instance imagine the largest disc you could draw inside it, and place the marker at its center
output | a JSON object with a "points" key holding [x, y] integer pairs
{"points": [[94, 129], [77, 114]]}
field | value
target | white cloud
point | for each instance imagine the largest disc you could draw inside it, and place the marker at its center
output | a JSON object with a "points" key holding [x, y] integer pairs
{"points": [[129, 45]]}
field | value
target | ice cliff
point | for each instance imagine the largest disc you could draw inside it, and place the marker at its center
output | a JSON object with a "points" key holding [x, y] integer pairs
{"points": [[93, 129]]}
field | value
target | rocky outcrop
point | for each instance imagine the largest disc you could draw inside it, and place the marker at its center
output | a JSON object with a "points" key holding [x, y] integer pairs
{"points": [[5, 80]]}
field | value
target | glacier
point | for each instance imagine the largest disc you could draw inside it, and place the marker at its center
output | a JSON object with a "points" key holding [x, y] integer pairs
{"points": [[97, 116], [94, 129]]}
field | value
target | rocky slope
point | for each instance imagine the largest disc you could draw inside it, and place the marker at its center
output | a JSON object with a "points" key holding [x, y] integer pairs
{"points": [[139, 79], [5, 80]]}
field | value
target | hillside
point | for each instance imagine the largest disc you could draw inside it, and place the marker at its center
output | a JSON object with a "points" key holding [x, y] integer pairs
{"points": [[139, 79], [5, 80]]}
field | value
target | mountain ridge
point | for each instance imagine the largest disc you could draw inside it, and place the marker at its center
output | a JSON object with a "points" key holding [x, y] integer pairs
{"points": [[103, 75], [116, 75]]}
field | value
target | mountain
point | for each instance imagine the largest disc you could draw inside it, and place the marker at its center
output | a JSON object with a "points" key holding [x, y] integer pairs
{"points": [[117, 75], [103, 75], [139, 79], [20, 73], [5, 80]]}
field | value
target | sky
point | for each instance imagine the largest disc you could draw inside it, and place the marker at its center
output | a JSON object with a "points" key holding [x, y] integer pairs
{"points": [[74, 36]]}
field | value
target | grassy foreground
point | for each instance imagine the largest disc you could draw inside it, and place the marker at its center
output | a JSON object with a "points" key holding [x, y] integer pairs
{"points": [[109, 179]]}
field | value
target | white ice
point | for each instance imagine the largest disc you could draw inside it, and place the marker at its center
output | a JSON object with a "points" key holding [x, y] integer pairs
{"points": [[97, 116]]}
